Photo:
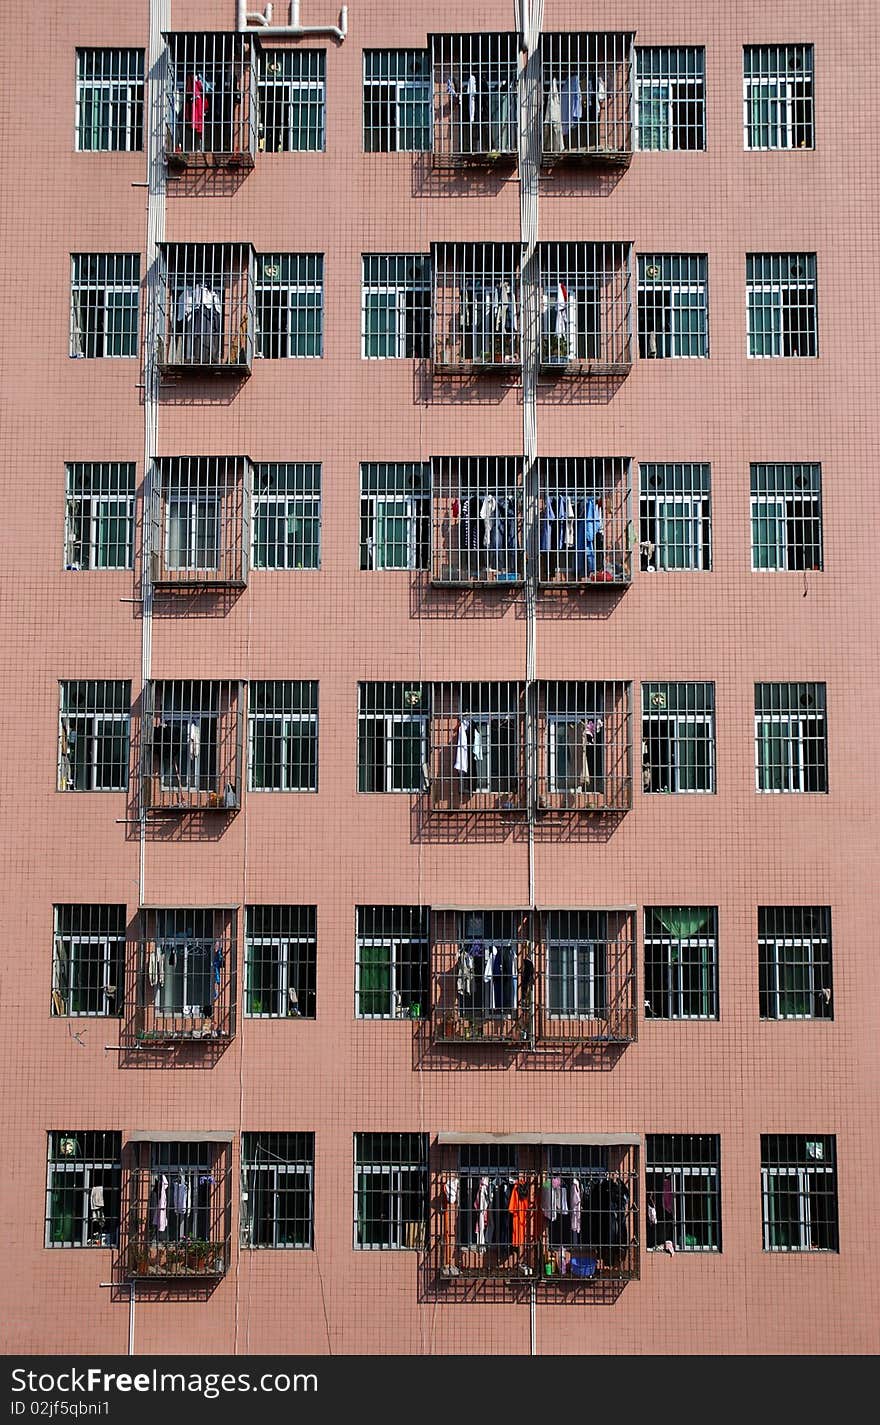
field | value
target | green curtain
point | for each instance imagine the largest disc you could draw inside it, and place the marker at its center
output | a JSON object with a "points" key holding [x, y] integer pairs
{"points": [[681, 922], [374, 979]]}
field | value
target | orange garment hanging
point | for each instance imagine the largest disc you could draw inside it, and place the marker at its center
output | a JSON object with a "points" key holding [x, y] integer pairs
{"points": [[523, 1209]]}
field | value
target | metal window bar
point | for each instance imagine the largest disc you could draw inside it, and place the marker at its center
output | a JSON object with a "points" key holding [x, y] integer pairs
{"points": [[683, 1192], [280, 961], [393, 736], [286, 519], [586, 977], [778, 97], [670, 98], [586, 82], [396, 305], [395, 515], [675, 517], [794, 962], [673, 305], [786, 517], [781, 304], [477, 757], [390, 1191], [99, 514], [109, 100], [476, 306], [483, 974], [211, 113], [585, 532], [177, 1210], [475, 100], [397, 101], [198, 532], [791, 738], [586, 316], [291, 98], [477, 520], [184, 967], [277, 1190], [83, 1188], [391, 962], [93, 735], [289, 304], [104, 300], [88, 960], [678, 737], [283, 736], [583, 746], [681, 962], [192, 745], [206, 307], [799, 1192]]}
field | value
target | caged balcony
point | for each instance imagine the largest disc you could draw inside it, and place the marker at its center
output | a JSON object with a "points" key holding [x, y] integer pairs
{"points": [[585, 531], [477, 521], [177, 1208], [477, 751], [475, 100], [586, 83], [198, 532], [586, 308], [584, 747], [191, 748], [482, 976], [476, 308], [211, 115], [183, 965], [206, 308]]}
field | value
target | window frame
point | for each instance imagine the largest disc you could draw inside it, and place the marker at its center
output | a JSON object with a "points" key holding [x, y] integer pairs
{"points": [[409, 299], [88, 1166], [396, 1173], [302, 84], [112, 90]]}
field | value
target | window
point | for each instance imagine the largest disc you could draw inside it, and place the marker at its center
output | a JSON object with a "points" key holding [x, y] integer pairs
{"points": [[283, 741], [390, 1190], [781, 304], [290, 304], [210, 108], [676, 517], [109, 100], [287, 517], [791, 751], [392, 962], [99, 515], [678, 737], [585, 304], [394, 515], [397, 101], [476, 305], [577, 969], [586, 84], [190, 1238], [670, 98], [396, 316], [104, 303], [280, 954], [778, 96], [93, 726], [673, 306], [291, 95], [786, 516], [83, 1189], [392, 736], [681, 962], [199, 511], [88, 959], [683, 1191], [794, 961], [799, 1192], [277, 1178]]}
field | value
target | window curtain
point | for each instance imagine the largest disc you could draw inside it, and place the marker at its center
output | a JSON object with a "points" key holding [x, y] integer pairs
{"points": [[654, 128], [682, 922], [374, 979]]}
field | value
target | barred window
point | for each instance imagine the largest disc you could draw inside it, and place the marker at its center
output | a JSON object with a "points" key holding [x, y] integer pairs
{"points": [[577, 964], [395, 504], [283, 737], [286, 519], [676, 517], [673, 305], [104, 295], [799, 1192], [678, 737], [291, 99], [391, 962], [393, 720], [109, 100], [390, 1190], [683, 1191], [475, 95], [93, 734], [88, 960], [778, 96], [396, 311], [290, 304], [794, 961], [99, 523], [397, 101], [791, 746], [681, 962], [786, 516], [83, 1188], [781, 304], [280, 955], [670, 98], [277, 1180]]}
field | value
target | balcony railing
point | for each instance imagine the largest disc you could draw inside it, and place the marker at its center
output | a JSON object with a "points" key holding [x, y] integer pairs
{"points": [[176, 1221], [586, 83], [183, 964], [206, 308], [191, 745], [476, 308], [477, 751], [211, 115], [476, 521], [475, 100], [586, 308], [586, 535], [199, 525], [583, 747]]}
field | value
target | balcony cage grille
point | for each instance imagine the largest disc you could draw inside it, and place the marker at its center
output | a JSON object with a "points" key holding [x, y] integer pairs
{"points": [[475, 99], [211, 112], [586, 307], [199, 527], [476, 307], [477, 520], [192, 745], [280, 961], [583, 753], [477, 754], [206, 307], [88, 962], [585, 536], [177, 1211], [794, 962], [586, 82], [183, 965]]}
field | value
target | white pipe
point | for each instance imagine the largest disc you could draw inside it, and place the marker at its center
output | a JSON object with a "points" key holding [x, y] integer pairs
{"points": [[242, 19], [294, 29]]}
